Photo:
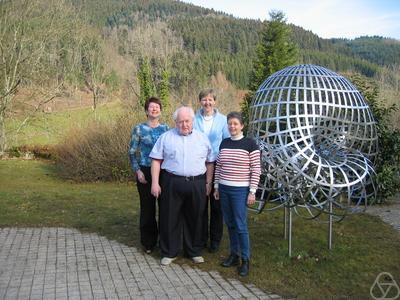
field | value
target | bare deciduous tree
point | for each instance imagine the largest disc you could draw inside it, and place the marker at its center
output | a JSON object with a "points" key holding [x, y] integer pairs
{"points": [[27, 27], [93, 66]]}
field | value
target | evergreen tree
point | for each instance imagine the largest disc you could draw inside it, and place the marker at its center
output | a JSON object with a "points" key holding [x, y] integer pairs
{"points": [[164, 87], [146, 82], [275, 51]]}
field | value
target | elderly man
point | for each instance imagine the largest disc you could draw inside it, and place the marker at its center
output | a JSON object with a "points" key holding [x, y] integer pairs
{"points": [[182, 163]]}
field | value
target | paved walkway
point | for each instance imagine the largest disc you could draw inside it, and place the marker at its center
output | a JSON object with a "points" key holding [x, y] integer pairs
{"points": [[388, 213], [60, 263]]}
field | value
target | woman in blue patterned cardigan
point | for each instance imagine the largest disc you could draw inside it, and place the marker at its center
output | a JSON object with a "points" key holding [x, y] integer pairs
{"points": [[143, 138]]}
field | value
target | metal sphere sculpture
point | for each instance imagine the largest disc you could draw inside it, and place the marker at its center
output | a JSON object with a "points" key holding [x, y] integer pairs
{"points": [[318, 140]]}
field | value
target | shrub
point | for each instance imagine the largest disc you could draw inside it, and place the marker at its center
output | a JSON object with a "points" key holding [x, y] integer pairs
{"points": [[97, 152], [387, 163], [37, 151]]}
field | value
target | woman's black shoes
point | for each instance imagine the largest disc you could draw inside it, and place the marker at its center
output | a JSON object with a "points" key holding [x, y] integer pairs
{"points": [[232, 260], [243, 270]]}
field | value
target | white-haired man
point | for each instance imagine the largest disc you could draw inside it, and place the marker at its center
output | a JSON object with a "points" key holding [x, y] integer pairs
{"points": [[182, 169]]}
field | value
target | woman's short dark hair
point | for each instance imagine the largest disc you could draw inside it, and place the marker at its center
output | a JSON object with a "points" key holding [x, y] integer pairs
{"points": [[206, 92], [152, 100], [235, 115]]}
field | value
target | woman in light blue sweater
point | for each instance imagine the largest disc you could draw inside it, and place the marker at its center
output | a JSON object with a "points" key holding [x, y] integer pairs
{"points": [[214, 125]]}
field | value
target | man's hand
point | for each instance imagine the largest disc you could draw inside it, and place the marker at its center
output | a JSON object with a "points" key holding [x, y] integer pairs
{"points": [[155, 189], [155, 176]]}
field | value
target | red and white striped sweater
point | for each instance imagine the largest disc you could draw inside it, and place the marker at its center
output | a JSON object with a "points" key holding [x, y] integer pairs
{"points": [[238, 163]]}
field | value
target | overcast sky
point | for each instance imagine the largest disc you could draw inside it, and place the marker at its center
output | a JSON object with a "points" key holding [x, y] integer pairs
{"points": [[326, 18]]}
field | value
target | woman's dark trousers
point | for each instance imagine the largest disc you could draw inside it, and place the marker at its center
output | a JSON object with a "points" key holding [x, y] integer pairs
{"points": [[148, 218]]}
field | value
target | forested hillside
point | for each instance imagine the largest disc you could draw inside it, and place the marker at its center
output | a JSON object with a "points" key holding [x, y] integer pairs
{"points": [[228, 44], [102, 46]]}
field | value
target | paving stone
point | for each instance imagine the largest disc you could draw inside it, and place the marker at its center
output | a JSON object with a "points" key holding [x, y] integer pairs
{"points": [[62, 263]]}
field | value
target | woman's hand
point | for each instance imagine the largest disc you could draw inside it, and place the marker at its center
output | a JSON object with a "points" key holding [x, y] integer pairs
{"points": [[216, 194], [208, 189], [140, 177], [251, 199]]}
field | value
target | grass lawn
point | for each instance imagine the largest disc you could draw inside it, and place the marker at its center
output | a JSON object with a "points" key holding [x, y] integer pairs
{"points": [[364, 246], [50, 128]]}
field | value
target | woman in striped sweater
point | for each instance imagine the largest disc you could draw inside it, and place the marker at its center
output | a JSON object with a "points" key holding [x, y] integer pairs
{"points": [[237, 175]]}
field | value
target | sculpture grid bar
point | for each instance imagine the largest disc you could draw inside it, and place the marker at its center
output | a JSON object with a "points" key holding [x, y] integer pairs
{"points": [[318, 141]]}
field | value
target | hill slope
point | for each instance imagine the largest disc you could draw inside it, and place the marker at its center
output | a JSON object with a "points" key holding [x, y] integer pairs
{"points": [[193, 44]]}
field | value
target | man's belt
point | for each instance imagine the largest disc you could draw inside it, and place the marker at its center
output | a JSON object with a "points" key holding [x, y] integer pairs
{"points": [[186, 178]]}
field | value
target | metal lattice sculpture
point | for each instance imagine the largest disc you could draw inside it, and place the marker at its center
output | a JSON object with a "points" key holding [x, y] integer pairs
{"points": [[318, 141]]}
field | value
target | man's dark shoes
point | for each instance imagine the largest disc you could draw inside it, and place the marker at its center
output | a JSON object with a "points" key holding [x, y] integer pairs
{"points": [[214, 246], [232, 260], [243, 270]]}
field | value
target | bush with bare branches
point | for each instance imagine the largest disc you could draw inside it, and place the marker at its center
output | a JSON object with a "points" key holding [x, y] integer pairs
{"points": [[97, 152]]}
